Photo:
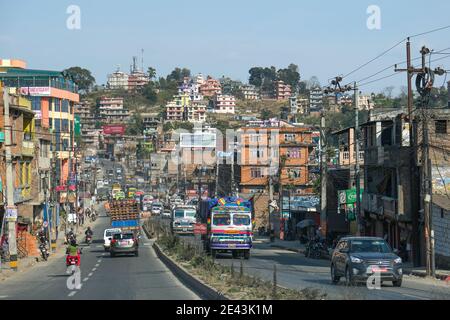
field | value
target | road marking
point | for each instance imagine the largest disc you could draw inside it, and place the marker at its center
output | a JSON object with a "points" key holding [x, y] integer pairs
{"points": [[99, 260], [85, 279], [3, 297], [93, 269], [413, 296], [97, 265], [72, 294], [90, 274]]}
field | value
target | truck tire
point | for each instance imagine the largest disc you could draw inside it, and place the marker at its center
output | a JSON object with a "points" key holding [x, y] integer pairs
{"points": [[235, 254], [213, 253], [247, 254], [112, 254]]}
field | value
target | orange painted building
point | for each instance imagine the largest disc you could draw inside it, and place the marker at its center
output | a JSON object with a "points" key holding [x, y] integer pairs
{"points": [[282, 150]]}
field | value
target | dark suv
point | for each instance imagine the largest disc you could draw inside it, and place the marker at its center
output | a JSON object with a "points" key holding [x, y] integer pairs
{"points": [[357, 258]]}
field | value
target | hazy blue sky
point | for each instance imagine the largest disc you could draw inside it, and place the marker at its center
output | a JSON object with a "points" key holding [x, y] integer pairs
{"points": [[324, 38]]}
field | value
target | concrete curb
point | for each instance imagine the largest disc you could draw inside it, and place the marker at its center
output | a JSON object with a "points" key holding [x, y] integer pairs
{"points": [[423, 274], [200, 288]]}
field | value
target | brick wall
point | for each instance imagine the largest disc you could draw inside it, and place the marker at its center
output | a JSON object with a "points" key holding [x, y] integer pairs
{"points": [[441, 226]]}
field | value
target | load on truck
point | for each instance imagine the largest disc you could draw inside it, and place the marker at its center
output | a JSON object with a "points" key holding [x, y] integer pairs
{"points": [[124, 215], [229, 224]]}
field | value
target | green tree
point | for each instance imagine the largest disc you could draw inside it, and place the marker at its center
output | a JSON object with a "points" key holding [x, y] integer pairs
{"points": [[135, 125], [149, 92], [290, 75], [81, 77], [151, 73]]}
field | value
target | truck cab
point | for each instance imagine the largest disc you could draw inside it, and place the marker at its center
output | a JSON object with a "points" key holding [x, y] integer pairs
{"points": [[183, 219]]}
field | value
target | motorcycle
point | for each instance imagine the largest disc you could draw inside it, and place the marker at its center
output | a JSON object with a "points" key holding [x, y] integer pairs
{"points": [[88, 239], [44, 251]]}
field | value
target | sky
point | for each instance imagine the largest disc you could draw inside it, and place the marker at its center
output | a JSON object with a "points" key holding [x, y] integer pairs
{"points": [[324, 38]]}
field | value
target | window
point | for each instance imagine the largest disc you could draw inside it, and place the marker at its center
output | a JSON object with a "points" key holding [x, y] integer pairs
{"points": [[65, 125], [57, 105], [65, 106], [293, 153], [241, 220], [258, 153], [289, 137], [256, 173], [440, 126], [221, 220], [255, 138], [293, 173]]}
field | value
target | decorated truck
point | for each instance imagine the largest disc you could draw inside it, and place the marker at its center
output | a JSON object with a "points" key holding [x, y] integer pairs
{"points": [[229, 225], [125, 214]]}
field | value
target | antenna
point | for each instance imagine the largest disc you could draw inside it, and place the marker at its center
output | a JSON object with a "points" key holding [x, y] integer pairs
{"points": [[142, 51]]}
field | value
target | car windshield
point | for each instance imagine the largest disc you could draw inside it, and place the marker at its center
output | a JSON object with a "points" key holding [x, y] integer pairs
{"points": [[119, 236], [241, 220], [379, 246], [221, 220]]}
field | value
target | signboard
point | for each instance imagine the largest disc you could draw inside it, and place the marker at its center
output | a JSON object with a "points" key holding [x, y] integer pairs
{"points": [[60, 188], [37, 114], [35, 91], [118, 129], [77, 126], [200, 228], [11, 213], [348, 196]]}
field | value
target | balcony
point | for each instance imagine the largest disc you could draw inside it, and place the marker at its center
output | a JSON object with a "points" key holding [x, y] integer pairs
{"points": [[28, 148], [372, 203], [389, 206], [22, 194], [391, 156]]}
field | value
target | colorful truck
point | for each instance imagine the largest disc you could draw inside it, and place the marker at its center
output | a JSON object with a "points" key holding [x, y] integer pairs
{"points": [[229, 222], [124, 215]]}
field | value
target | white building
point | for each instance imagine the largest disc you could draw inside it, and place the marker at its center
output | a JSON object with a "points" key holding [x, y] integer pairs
{"points": [[224, 103], [118, 80], [250, 92]]}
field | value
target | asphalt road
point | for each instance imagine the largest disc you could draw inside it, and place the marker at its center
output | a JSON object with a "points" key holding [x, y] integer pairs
{"points": [[102, 277], [298, 272]]}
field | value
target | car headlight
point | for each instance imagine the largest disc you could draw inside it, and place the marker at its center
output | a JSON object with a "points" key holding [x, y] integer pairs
{"points": [[355, 259], [398, 260], [215, 239]]}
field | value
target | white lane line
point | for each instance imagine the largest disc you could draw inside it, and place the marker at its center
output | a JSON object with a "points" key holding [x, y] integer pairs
{"points": [[72, 294], [3, 297], [97, 265], [93, 269], [86, 279], [90, 274], [416, 297], [99, 260]]}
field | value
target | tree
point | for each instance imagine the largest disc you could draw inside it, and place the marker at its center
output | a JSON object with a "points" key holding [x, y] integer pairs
{"points": [[312, 83], [178, 74], [81, 77], [149, 92], [151, 73], [135, 125], [290, 76]]}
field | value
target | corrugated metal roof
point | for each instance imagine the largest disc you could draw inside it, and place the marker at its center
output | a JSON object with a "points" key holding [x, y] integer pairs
{"points": [[12, 72], [441, 201]]}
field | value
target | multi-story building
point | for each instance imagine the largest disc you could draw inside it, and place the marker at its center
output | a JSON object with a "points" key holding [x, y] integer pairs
{"points": [[315, 101], [365, 102], [224, 103], [282, 91], [118, 80], [111, 110], [21, 118], [136, 80], [280, 150], [176, 110], [89, 135], [52, 101], [303, 105], [196, 112], [250, 92], [210, 87]]}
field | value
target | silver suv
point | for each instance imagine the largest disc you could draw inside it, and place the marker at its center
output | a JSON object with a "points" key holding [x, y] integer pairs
{"points": [[125, 242]]}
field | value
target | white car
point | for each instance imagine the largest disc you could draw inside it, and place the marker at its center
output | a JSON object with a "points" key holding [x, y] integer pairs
{"points": [[167, 214], [72, 218], [156, 208], [107, 237]]}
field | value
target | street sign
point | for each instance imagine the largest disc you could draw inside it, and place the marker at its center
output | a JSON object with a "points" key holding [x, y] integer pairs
{"points": [[11, 213]]}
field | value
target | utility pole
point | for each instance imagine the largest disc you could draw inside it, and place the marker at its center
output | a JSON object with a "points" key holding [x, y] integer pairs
{"points": [[11, 209], [55, 199], [217, 176], [414, 173], [233, 186], [323, 180], [359, 219]]}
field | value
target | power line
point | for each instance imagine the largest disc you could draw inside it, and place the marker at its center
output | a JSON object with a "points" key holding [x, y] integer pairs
{"points": [[430, 31]]}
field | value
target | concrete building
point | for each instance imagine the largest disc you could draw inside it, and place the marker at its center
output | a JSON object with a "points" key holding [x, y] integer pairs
{"points": [[196, 112], [86, 114], [136, 80], [117, 80], [315, 101], [224, 103], [52, 101], [111, 110], [282, 91], [210, 88], [250, 92]]}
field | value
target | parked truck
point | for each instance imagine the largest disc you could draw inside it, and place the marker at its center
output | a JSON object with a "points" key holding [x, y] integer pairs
{"points": [[125, 215], [229, 225]]}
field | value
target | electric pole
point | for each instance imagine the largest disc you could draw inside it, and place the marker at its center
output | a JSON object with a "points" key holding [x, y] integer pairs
{"points": [[359, 219], [11, 209], [323, 174]]}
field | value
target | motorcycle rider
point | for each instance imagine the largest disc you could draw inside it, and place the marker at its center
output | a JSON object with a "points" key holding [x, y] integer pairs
{"points": [[88, 233], [73, 251]]}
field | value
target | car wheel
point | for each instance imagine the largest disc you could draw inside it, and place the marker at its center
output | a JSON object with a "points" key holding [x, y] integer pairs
{"points": [[247, 254], [112, 254], [397, 283], [136, 253], [348, 277], [334, 278]]}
